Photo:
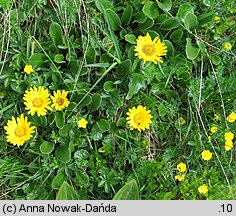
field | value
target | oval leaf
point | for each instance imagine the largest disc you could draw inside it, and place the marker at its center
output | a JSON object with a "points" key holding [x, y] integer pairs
{"points": [[63, 154], [191, 51], [60, 119], [58, 180], [66, 192], [170, 23], [165, 5], [150, 9], [55, 32], [127, 15], [129, 191], [131, 38], [190, 21], [103, 125], [114, 19], [96, 102], [47, 147]]}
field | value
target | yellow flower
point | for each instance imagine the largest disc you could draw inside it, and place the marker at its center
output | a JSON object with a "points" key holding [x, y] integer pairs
{"points": [[149, 50], [28, 69], [229, 136], [228, 148], [203, 189], [181, 167], [60, 100], [228, 145], [182, 120], [231, 117], [37, 101], [206, 155], [217, 18], [214, 129], [227, 46], [217, 117], [180, 177], [139, 118], [18, 130], [82, 123]]}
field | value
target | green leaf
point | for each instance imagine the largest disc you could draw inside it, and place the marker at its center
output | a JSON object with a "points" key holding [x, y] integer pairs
{"points": [[103, 125], [162, 110], [127, 15], [146, 25], [215, 59], [55, 32], [124, 68], [58, 180], [184, 9], [83, 99], [63, 154], [60, 119], [103, 4], [170, 23], [82, 178], [66, 192], [170, 48], [150, 9], [131, 38], [136, 83], [90, 55], [37, 59], [114, 19], [96, 102], [165, 5], [139, 17], [64, 130], [47, 147], [190, 21], [109, 87], [202, 47], [176, 35], [58, 58], [191, 51], [129, 191]]}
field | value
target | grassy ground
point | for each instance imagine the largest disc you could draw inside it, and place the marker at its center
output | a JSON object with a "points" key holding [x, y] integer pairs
{"points": [[87, 48]]}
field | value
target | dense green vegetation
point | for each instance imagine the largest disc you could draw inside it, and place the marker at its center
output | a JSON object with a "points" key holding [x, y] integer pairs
{"points": [[87, 48]]}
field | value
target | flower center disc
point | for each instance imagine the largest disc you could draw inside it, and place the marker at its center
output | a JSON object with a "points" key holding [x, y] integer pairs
{"points": [[148, 49], [37, 102], [138, 118], [19, 131], [60, 101]]}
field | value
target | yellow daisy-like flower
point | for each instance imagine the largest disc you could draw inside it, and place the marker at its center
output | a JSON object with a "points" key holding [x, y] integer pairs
{"points": [[37, 100], [214, 129], [179, 177], [217, 117], [229, 136], [149, 50], [28, 69], [139, 118], [82, 123], [181, 167], [206, 155], [227, 46], [60, 100], [228, 145], [203, 189], [18, 130], [231, 117]]}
